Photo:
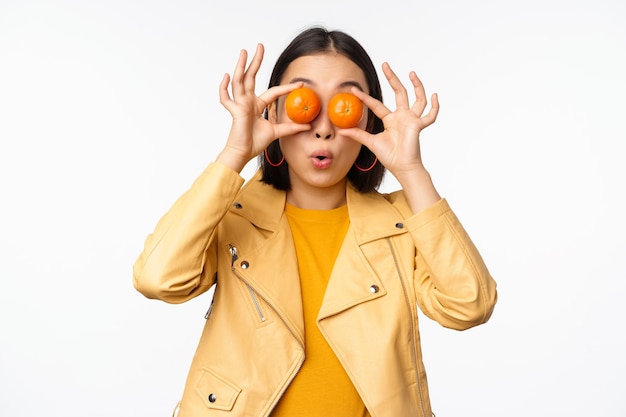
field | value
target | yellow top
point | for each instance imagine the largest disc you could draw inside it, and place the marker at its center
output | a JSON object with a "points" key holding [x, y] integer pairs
{"points": [[322, 387]]}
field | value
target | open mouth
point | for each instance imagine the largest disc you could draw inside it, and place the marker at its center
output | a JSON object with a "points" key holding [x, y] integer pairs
{"points": [[321, 160]]}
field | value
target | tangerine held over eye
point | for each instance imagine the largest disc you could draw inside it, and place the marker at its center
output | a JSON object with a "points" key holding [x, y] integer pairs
{"points": [[302, 105], [345, 110]]}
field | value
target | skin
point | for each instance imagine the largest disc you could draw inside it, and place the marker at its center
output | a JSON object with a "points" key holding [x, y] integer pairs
{"points": [[397, 147]]}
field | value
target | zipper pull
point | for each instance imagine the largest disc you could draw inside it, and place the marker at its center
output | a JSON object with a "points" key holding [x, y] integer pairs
{"points": [[234, 255]]}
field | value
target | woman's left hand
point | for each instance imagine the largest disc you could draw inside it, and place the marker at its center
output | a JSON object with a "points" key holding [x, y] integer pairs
{"points": [[398, 146]]}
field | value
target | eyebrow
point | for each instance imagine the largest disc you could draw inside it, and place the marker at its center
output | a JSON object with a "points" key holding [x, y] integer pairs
{"points": [[349, 83]]}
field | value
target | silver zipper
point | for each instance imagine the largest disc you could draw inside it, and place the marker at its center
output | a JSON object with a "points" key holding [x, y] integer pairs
{"points": [[256, 303], [234, 255], [408, 305]]}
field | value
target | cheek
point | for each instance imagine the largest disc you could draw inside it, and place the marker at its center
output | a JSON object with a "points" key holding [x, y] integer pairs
{"points": [[351, 149], [289, 145]]}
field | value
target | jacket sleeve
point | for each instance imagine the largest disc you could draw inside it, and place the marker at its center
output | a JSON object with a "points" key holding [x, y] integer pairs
{"points": [[178, 261], [452, 283]]}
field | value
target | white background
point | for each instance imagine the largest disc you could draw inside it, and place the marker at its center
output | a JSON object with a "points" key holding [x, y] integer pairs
{"points": [[109, 110]]}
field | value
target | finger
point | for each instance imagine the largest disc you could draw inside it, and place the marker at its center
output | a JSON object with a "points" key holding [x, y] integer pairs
{"points": [[402, 98], [420, 94], [430, 118], [240, 69], [253, 68], [223, 91], [275, 92], [376, 106], [359, 135], [279, 90]]}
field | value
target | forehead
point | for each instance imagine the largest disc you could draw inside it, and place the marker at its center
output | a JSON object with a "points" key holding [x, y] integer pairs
{"points": [[327, 70]]}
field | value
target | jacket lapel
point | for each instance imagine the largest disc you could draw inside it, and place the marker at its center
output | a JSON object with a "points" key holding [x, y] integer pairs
{"points": [[271, 267], [354, 280]]}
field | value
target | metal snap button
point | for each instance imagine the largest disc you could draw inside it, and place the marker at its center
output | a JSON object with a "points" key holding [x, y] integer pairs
{"points": [[399, 225], [244, 265], [374, 289], [237, 205], [212, 398]]}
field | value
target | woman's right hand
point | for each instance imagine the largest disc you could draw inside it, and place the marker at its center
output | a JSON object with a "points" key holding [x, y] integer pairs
{"points": [[250, 132]]}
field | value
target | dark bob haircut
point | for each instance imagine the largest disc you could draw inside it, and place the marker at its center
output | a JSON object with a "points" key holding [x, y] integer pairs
{"points": [[313, 41]]}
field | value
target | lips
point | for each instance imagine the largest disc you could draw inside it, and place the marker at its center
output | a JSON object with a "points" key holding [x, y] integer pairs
{"points": [[321, 159]]}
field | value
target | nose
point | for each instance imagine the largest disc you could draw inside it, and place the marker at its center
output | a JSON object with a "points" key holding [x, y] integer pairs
{"points": [[323, 127]]}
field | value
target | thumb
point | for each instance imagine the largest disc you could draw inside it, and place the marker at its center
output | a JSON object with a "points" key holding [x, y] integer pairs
{"points": [[287, 129]]}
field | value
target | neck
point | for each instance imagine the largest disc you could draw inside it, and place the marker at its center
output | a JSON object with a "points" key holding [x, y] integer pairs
{"points": [[313, 198]]}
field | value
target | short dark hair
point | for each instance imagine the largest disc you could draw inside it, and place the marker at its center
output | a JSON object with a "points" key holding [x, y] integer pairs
{"points": [[313, 41]]}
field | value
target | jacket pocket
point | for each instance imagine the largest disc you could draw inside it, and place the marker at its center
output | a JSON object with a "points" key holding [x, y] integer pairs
{"points": [[216, 391]]}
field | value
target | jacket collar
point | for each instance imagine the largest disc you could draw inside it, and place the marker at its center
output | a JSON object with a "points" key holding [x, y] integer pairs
{"points": [[372, 216], [260, 204]]}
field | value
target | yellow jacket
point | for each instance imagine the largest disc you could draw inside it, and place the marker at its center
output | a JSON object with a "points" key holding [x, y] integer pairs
{"points": [[252, 345]]}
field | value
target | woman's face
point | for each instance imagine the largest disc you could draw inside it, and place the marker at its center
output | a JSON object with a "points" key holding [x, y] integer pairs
{"points": [[320, 158]]}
